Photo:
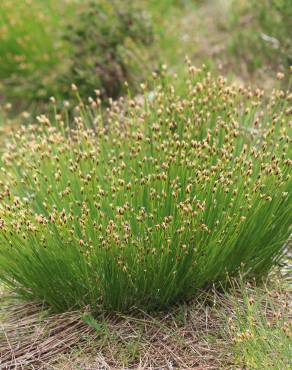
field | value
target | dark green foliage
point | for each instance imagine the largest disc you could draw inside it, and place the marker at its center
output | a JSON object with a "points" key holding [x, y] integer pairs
{"points": [[107, 39], [155, 201], [96, 44]]}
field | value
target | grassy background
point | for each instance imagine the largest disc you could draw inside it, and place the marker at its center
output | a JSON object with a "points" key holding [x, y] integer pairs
{"points": [[47, 45]]}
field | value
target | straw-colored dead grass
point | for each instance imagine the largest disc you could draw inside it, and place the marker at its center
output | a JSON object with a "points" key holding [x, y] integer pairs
{"points": [[30, 338], [198, 335], [185, 338]]}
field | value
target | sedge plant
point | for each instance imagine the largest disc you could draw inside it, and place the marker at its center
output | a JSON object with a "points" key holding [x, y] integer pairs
{"points": [[147, 202]]}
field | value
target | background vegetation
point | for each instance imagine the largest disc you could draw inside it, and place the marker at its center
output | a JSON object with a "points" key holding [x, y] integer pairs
{"points": [[47, 45], [261, 33]]}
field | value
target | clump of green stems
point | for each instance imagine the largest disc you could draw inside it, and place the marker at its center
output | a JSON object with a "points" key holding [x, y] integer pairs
{"points": [[260, 329], [147, 202]]}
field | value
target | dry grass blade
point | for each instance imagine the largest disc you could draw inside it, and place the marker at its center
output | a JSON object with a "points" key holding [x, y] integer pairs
{"points": [[190, 336], [30, 337], [186, 338]]}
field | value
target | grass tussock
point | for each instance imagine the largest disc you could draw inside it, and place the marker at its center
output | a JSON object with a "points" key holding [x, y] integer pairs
{"points": [[134, 230], [151, 203], [259, 327]]}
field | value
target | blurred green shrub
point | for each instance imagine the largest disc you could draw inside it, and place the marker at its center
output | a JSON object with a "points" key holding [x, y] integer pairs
{"points": [[107, 38], [262, 32], [46, 46], [31, 47]]}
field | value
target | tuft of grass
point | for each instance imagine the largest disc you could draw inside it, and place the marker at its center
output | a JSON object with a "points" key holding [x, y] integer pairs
{"points": [[260, 327], [144, 204]]}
